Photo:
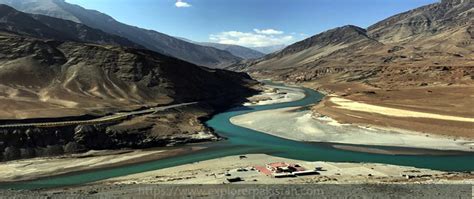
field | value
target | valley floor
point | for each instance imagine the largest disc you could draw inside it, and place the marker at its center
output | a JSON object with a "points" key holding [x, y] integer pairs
{"points": [[217, 171], [323, 124], [436, 110], [29, 169], [304, 125]]}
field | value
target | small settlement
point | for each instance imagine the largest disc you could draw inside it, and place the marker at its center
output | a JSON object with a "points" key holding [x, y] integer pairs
{"points": [[283, 169]]}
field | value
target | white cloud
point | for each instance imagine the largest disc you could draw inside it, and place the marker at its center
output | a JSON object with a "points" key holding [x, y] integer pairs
{"points": [[258, 38], [268, 31], [182, 4]]}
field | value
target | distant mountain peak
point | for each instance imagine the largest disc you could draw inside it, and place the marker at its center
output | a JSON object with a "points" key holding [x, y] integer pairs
{"points": [[45, 27], [152, 40], [337, 36], [455, 2], [423, 21]]}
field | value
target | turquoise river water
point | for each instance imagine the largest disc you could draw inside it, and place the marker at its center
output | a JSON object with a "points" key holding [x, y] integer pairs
{"points": [[245, 141]]}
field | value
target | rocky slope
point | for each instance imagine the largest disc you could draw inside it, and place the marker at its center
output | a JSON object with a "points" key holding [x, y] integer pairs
{"points": [[424, 46], [153, 40], [50, 79], [42, 79], [424, 22], [313, 49], [45, 27], [269, 49], [51, 74], [239, 51], [418, 61]]}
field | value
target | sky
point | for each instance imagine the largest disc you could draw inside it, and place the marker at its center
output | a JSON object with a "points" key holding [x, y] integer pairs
{"points": [[251, 23]]}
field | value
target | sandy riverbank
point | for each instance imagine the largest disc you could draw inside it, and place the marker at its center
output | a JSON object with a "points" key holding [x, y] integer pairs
{"points": [[394, 112], [304, 125], [435, 110], [275, 94], [217, 171], [299, 124], [28, 169]]}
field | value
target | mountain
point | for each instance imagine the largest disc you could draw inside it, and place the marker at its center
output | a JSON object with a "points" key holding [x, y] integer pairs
{"points": [[310, 50], [423, 41], [45, 27], [316, 47], [42, 73], [424, 22], [268, 49], [78, 78], [153, 40], [239, 51], [55, 70]]}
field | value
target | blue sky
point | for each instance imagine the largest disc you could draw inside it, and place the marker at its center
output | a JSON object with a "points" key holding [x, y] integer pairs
{"points": [[248, 22]]}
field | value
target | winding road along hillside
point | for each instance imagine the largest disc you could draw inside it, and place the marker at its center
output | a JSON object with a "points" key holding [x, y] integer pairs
{"points": [[109, 118]]}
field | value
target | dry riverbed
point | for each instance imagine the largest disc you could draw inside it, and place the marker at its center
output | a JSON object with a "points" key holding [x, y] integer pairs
{"points": [[217, 171], [303, 124], [28, 169], [275, 94], [299, 124]]}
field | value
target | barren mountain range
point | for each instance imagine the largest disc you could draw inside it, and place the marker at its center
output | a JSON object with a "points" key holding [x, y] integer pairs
{"points": [[432, 43], [239, 51], [38, 72], [44, 27], [64, 60], [236, 50], [421, 60], [58, 70], [152, 40]]}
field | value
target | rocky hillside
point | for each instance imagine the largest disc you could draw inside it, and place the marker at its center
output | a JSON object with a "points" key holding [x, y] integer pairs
{"points": [[46, 79], [152, 40], [40, 26], [269, 49], [428, 45], [239, 51], [426, 21], [46, 75], [314, 48], [49, 73]]}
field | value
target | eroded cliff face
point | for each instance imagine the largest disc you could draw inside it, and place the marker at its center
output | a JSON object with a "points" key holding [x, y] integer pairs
{"points": [[79, 79], [172, 127]]}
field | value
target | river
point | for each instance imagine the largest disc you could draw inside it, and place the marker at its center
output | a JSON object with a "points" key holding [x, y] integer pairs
{"points": [[244, 141]]}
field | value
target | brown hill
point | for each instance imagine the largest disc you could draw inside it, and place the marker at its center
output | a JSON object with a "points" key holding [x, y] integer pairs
{"points": [[428, 45], [40, 26], [39, 77], [152, 40]]}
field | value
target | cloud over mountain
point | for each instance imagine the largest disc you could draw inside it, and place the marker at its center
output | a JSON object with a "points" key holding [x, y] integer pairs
{"points": [[257, 38], [268, 31]]}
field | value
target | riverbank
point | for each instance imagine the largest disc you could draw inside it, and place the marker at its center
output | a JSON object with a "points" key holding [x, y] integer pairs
{"points": [[299, 124], [217, 171], [29, 169], [444, 110], [275, 94], [302, 124], [245, 141]]}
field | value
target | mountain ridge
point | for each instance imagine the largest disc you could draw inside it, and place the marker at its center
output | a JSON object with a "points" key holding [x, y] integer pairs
{"points": [[420, 40], [75, 73], [153, 40], [240, 51], [40, 26]]}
